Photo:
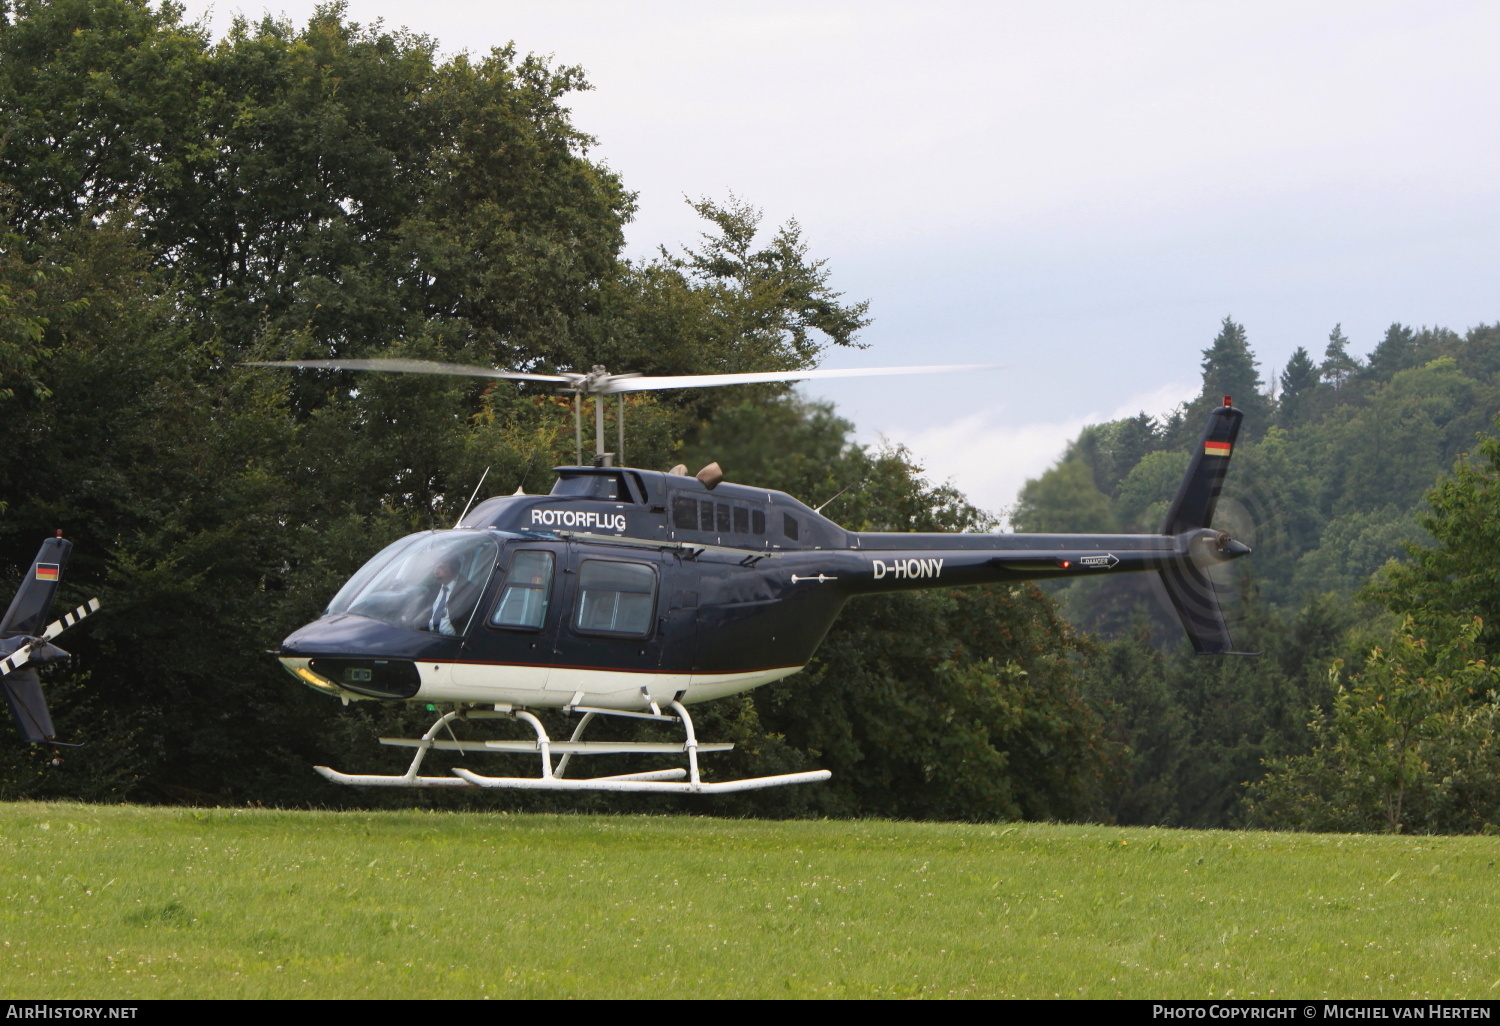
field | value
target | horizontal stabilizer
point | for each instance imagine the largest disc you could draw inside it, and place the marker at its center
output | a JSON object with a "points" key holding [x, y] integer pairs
{"points": [[29, 652]]}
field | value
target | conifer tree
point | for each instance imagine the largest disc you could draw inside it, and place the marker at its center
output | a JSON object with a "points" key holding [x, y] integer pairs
{"points": [[1338, 366], [1297, 383], [1396, 352], [1229, 369]]}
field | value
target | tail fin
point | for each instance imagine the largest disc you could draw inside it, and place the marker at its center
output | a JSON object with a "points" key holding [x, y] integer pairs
{"points": [[1193, 506], [27, 617], [28, 610], [1188, 585]]}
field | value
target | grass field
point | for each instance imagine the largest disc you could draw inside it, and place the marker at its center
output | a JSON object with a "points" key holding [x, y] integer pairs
{"points": [[127, 902]]}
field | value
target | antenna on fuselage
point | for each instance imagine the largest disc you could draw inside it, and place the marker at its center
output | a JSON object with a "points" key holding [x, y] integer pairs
{"points": [[472, 495], [525, 473], [841, 491]]}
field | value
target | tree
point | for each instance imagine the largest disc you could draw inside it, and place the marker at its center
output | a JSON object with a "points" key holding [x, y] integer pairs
{"points": [[1112, 450], [1458, 575], [1064, 500], [736, 303], [323, 191], [1478, 352], [1399, 350], [1229, 369], [1337, 366], [23, 319], [1409, 746], [1126, 684], [1408, 431], [1298, 380]]}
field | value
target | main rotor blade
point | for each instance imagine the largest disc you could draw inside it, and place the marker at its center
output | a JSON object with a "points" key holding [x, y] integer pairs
{"points": [[645, 384], [416, 367]]}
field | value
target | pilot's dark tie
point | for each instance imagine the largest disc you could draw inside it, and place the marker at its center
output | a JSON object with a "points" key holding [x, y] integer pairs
{"points": [[440, 609]]}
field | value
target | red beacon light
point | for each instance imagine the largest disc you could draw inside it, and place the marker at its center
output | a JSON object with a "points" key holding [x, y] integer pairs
{"points": [[1064, 563], [1227, 402]]}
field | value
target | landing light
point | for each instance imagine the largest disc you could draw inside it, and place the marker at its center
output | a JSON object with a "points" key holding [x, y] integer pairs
{"points": [[311, 679]]}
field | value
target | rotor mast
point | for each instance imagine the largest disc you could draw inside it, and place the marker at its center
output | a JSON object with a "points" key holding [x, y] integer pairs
{"points": [[597, 382]]}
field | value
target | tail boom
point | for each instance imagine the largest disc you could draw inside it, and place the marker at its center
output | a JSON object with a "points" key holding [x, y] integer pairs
{"points": [[1182, 553]]}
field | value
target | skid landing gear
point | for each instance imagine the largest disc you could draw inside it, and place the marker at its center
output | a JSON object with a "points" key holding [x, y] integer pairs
{"points": [[667, 781]]}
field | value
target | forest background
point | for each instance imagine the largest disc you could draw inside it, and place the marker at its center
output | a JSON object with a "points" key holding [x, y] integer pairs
{"points": [[175, 205]]}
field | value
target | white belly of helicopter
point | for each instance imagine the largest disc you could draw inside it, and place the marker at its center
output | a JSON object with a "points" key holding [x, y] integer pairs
{"points": [[558, 686]]}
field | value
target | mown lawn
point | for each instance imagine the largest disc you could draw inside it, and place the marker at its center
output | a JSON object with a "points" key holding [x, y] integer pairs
{"points": [[127, 902]]}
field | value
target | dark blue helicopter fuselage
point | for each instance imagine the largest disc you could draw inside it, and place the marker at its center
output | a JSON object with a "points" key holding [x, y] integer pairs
{"points": [[734, 587], [624, 587]]}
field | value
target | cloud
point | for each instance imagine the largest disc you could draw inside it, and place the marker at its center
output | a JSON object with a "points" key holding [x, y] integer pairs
{"points": [[989, 461]]}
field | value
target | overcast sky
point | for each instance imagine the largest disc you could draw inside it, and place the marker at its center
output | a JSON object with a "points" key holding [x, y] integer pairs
{"points": [[1078, 191]]}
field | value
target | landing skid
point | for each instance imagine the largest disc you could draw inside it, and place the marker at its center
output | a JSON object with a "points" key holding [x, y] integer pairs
{"points": [[666, 781]]}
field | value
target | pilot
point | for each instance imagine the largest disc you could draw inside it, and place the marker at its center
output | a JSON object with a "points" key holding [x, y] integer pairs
{"points": [[450, 599]]}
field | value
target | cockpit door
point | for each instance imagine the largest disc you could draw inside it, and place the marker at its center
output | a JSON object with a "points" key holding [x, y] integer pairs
{"points": [[511, 642], [609, 631]]}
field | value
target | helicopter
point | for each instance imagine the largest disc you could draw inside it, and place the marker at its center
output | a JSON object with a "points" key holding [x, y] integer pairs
{"points": [[636, 593], [26, 644]]}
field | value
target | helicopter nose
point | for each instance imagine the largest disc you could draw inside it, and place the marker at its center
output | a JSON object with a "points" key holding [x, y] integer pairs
{"points": [[348, 676], [348, 655]]}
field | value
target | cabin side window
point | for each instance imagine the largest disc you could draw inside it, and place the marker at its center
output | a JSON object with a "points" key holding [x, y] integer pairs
{"points": [[615, 598], [724, 519], [685, 512], [528, 589], [789, 526]]}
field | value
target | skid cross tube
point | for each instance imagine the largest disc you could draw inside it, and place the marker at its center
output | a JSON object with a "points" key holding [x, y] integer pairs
{"points": [[552, 778], [562, 763]]}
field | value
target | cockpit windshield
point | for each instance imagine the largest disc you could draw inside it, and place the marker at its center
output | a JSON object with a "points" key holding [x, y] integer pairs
{"points": [[425, 582]]}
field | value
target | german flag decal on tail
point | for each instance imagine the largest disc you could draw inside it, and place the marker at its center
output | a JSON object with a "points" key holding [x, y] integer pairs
{"points": [[1216, 448], [47, 571]]}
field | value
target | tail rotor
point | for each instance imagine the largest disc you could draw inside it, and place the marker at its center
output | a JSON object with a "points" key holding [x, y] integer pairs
{"points": [[1187, 579]]}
